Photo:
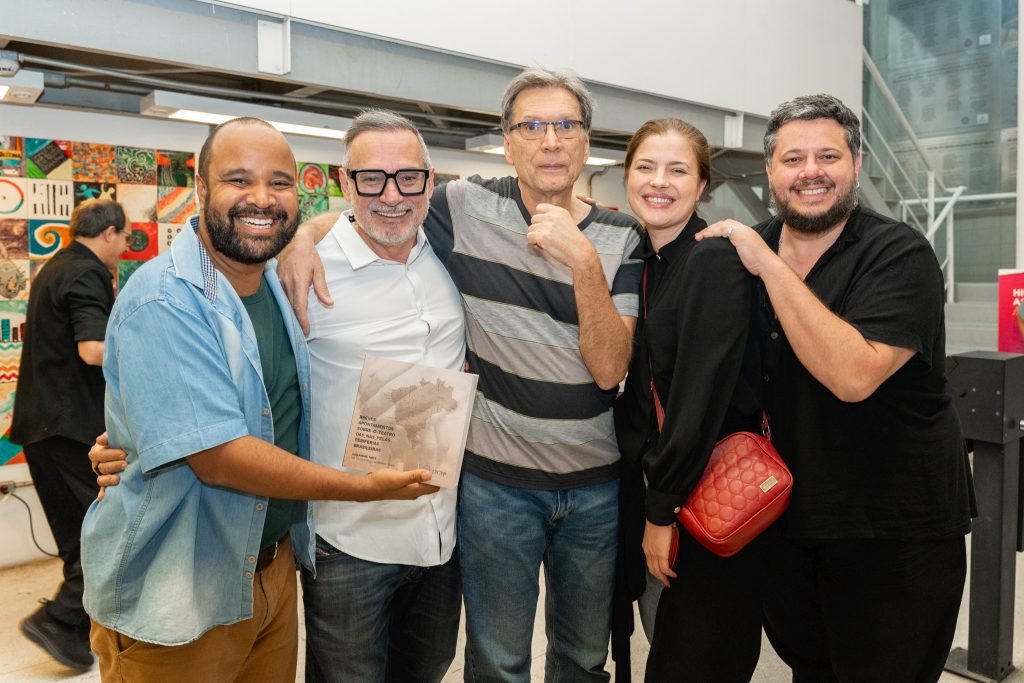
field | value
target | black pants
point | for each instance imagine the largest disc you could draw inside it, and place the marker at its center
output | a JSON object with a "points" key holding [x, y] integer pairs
{"points": [[708, 628], [66, 486], [865, 611]]}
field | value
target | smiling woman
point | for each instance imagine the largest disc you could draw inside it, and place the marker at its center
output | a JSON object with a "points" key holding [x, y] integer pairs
{"points": [[668, 168], [694, 348]]}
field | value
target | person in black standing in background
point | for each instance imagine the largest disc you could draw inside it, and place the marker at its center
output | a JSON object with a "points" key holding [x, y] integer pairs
{"points": [[58, 408]]}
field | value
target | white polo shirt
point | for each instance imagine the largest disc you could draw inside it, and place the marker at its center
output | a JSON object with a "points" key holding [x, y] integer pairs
{"points": [[404, 311]]}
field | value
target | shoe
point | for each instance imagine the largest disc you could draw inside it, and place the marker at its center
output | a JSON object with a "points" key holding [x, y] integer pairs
{"points": [[61, 640]]}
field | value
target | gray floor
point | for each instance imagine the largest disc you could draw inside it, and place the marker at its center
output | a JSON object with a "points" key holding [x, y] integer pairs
{"points": [[21, 661]]}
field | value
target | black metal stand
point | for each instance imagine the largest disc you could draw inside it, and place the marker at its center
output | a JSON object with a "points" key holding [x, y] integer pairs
{"points": [[987, 388], [989, 652]]}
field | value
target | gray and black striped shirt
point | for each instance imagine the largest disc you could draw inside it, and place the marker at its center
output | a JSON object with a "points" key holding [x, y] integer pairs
{"points": [[539, 420]]}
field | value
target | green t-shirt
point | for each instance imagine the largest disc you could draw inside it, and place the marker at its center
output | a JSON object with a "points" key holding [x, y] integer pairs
{"points": [[281, 381]]}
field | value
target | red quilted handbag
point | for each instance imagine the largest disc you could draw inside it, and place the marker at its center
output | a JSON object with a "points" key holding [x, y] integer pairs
{"points": [[745, 488]]}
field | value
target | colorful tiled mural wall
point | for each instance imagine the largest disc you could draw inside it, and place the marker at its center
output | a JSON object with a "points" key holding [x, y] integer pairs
{"points": [[41, 181]]}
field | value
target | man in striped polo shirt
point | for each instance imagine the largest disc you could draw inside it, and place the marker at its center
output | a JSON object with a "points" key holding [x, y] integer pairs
{"points": [[550, 296]]}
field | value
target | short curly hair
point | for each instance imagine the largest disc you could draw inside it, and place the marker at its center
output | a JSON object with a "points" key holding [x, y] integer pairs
{"points": [[808, 108]]}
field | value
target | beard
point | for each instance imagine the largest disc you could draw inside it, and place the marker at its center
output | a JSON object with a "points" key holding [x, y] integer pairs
{"points": [[367, 221], [250, 250], [842, 207]]}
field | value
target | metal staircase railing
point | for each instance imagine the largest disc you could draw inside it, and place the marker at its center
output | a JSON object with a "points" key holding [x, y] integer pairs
{"points": [[917, 205]]}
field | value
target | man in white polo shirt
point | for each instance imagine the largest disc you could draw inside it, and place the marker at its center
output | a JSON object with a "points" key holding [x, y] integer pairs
{"points": [[385, 600], [386, 596]]}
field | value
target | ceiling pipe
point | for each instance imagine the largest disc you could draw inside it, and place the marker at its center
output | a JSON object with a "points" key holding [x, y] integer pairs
{"points": [[303, 103], [221, 91]]}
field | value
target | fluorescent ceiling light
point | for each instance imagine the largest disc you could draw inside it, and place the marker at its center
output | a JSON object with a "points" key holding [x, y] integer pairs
{"points": [[601, 161], [212, 111], [24, 87], [493, 143], [488, 143]]}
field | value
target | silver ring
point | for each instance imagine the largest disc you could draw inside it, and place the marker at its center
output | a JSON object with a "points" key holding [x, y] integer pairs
{"points": [[728, 235]]}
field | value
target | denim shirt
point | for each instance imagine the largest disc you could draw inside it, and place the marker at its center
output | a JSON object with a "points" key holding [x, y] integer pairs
{"points": [[165, 556]]}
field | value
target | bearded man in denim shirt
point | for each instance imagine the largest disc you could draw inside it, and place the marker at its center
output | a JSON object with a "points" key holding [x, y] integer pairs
{"points": [[189, 563]]}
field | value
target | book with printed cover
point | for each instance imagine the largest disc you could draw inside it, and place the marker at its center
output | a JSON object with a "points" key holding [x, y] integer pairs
{"points": [[410, 416]]}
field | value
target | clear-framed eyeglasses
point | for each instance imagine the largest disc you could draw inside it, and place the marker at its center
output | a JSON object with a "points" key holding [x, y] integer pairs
{"points": [[371, 182], [534, 130]]}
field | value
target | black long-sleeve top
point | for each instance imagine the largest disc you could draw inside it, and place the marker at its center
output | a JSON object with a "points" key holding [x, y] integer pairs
{"points": [[697, 336]]}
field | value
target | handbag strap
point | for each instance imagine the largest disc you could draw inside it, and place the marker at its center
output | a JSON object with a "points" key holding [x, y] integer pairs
{"points": [[659, 408]]}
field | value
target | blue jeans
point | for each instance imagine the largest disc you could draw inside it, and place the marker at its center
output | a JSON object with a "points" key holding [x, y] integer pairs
{"points": [[370, 622], [505, 534]]}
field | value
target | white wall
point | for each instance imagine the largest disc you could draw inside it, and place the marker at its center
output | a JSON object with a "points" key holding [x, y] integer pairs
{"points": [[739, 55], [15, 537]]}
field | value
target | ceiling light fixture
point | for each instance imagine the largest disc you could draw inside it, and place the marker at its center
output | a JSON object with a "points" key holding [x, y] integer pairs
{"points": [[24, 87], [208, 110]]}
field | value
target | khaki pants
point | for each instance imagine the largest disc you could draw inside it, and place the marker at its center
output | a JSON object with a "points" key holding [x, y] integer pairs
{"points": [[262, 649]]}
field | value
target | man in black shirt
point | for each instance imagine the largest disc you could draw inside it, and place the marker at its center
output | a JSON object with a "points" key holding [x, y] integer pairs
{"points": [[870, 564], [58, 409]]}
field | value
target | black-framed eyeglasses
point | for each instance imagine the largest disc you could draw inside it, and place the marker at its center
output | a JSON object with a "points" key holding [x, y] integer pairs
{"points": [[370, 182], [535, 130]]}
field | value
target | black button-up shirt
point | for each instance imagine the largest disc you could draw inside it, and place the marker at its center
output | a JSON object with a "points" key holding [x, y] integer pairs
{"points": [[58, 394], [893, 465]]}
